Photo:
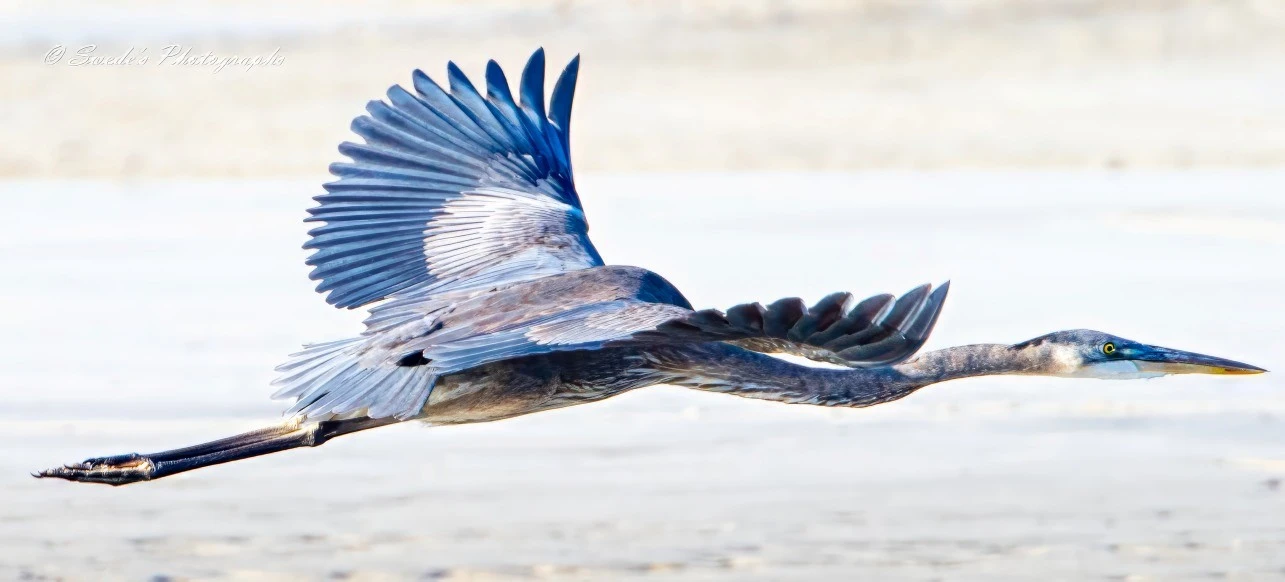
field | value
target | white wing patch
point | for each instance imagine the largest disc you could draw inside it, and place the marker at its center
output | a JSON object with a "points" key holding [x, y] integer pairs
{"points": [[501, 234]]}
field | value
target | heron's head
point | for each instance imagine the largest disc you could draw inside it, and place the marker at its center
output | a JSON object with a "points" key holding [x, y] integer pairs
{"points": [[1084, 353]]}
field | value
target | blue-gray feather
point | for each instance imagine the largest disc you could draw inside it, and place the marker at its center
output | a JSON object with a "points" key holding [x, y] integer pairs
{"points": [[435, 170], [460, 213]]}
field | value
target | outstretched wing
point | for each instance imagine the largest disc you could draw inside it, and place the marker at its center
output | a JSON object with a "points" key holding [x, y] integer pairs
{"points": [[879, 331], [393, 373], [357, 375], [452, 190]]}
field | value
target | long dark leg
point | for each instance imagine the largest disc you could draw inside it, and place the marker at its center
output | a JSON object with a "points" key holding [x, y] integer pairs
{"points": [[133, 467]]}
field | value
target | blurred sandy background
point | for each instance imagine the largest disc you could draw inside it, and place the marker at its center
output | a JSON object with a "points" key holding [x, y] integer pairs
{"points": [[719, 85], [1102, 164]]}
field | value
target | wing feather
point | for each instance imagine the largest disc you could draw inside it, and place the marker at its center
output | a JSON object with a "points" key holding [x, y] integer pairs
{"points": [[455, 195], [879, 331], [452, 190], [362, 375], [592, 309]]}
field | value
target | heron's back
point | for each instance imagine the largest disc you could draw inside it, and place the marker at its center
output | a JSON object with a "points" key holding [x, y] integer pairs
{"points": [[411, 341]]}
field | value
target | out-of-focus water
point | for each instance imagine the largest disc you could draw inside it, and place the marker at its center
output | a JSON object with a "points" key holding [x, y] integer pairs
{"points": [[148, 316]]}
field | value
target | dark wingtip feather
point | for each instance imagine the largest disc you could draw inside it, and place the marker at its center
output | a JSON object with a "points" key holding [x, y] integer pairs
{"points": [[453, 70], [907, 307], [497, 85], [919, 330], [532, 90], [709, 321], [878, 331], [829, 310], [782, 315], [563, 92], [910, 334], [459, 81], [747, 317], [871, 309]]}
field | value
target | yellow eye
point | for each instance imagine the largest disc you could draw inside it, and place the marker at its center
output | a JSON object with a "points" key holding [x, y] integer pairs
{"points": [[1108, 348]]}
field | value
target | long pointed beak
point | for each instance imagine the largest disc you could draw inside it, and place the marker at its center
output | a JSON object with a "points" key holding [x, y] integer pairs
{"points": [[1166, 361]]}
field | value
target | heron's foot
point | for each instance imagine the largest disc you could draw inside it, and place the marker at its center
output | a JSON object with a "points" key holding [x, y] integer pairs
{"points": [[114, 470]]}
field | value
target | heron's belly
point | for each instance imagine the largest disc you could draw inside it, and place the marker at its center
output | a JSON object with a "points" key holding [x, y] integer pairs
{"points": [[521, 386], [470, 397]]}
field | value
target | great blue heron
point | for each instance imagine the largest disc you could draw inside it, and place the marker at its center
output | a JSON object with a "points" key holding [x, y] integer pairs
{"points": [[460, 216]]}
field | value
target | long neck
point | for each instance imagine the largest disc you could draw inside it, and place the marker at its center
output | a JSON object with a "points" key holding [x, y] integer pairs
{"points": [[966, 362], [722, 368]]}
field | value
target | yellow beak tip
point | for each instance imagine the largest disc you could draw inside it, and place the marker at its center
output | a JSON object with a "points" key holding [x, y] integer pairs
{"points": [[1246, 372]]}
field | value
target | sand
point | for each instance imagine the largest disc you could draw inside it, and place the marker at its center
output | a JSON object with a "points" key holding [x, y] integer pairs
{"points": [[691, 86]]}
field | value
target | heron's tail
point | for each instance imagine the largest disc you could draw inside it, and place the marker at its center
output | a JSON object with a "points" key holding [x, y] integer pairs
{"points": [[334, 380]]}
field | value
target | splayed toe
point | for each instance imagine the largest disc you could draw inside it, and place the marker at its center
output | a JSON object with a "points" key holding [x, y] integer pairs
{"points": [[117, 470]]}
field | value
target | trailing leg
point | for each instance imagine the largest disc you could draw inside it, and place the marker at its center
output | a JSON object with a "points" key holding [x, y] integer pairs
{"points": [[133, 467]]}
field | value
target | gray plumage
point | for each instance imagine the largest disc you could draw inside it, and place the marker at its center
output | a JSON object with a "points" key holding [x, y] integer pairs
{"points": [[392, 369], [460, 213], [457, 221]]}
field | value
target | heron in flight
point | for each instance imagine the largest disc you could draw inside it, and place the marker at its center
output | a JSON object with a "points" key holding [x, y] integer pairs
{"points": [[458, 222]]}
